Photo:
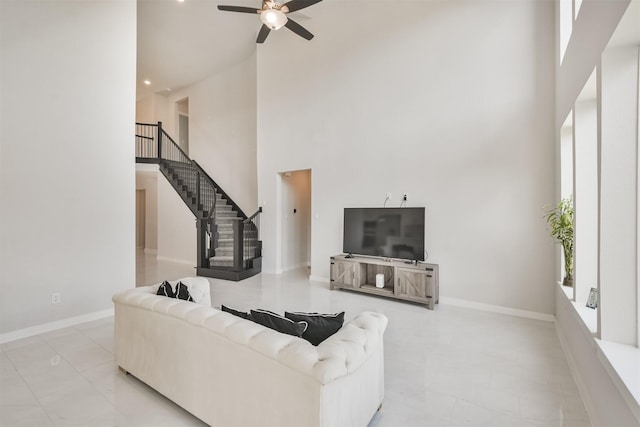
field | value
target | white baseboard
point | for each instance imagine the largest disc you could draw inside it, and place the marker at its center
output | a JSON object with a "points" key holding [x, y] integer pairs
{"points": [[150, 251], [52, 326], [497, 309], [320, 279], [295, 267], [176, 260]]}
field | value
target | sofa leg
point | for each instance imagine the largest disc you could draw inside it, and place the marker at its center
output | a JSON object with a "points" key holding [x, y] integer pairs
{"points": [[124, 371]]}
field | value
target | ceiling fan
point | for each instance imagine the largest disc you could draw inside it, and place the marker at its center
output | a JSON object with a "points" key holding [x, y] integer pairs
{"points": [[274, 16]]}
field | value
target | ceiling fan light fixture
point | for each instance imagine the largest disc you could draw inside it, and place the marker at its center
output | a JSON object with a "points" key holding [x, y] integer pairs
{"points": [[273, 18]]}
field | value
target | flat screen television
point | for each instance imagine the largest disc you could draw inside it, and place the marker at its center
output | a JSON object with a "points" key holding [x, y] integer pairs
{"points": [[384, 232]]}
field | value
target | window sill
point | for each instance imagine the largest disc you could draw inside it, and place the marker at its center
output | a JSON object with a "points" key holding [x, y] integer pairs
{"points": [[589, 316], [622, 362]]}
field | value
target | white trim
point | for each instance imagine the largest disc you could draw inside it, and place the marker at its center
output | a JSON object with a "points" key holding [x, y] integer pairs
{"points": [[497, 309], [177, 261], [147, 168], [320, 279], [52, 326], [295, 267], [150, 251]]}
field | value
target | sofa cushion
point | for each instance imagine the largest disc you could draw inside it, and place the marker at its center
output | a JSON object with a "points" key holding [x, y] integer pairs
{"points": [[198, 289], [166, 290], [182, 292], [242, 314], [321, 326], [279, 323]]}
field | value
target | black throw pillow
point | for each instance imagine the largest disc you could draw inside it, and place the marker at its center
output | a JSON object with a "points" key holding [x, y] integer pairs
{"points": [[321, 326], [236, 312], [166, 290], [278, 323], [182, 292]]}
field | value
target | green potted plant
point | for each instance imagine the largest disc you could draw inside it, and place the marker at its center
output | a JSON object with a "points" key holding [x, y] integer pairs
{"points": [[560, 220]]}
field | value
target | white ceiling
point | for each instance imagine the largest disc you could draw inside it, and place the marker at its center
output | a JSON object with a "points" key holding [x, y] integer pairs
{"points": [[182, 43]]}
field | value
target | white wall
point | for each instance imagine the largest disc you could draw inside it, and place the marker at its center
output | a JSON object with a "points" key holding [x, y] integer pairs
{"points": [[599, 387], [67, 166], [222, 139], [176, 226], [222, 129], [452, 103], [152, 108]]}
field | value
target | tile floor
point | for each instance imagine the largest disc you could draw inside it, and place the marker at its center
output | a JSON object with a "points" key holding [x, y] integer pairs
{"points": [[448, 367]]}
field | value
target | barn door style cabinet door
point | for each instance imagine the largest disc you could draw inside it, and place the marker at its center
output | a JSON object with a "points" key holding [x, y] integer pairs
{"points": [[346, 273], [417, 283]]}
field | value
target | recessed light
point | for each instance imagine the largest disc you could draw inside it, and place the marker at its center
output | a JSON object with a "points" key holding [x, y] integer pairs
{"points": [[147, 82], [180, 1]]}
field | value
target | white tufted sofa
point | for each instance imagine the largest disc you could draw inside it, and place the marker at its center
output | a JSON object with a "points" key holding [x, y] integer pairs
{"points": [[228, 371]]}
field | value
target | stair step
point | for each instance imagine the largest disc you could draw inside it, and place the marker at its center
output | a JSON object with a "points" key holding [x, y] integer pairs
{"points": [[221, 261], [228, 250], [225, 243], [227, 233]]}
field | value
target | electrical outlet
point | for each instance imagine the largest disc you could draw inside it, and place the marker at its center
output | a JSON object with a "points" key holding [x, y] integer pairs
{"points": [[56, 298], [404, 198]]}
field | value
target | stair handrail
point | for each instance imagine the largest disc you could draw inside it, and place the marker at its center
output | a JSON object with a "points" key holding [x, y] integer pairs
{"points": [[174, 146], [201, 172], [161, 135], [258, 212], [221, 191], [249, 224]]}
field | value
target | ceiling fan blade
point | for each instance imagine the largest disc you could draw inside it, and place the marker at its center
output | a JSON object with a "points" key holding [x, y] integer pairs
{"points": [[238, 9], [294, 5], [298, 29], [262, 35]]}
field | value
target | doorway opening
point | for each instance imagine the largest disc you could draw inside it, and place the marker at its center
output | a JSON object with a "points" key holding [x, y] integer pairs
{"points": [[295, 221], [182, 120], [141, 200]]}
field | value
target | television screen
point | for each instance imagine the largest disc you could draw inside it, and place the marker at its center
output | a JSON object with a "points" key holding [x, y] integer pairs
{"points": [[384, 232]]}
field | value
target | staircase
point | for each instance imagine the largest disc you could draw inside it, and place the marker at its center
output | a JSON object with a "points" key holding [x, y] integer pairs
{"points": [[228, 244]]}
